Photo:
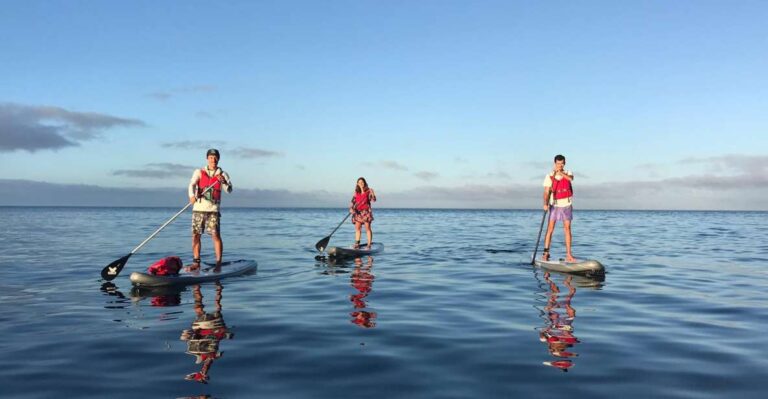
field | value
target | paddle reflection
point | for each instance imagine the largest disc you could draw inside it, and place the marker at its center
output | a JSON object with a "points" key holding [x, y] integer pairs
{"points": [[206, 332], [559, 315]]}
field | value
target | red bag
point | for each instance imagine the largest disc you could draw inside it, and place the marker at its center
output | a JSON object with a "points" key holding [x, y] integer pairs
{"points": [[168, 266]]}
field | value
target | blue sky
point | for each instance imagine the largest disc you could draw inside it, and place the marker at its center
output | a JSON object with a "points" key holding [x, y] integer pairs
{"points": [[656, 104]]}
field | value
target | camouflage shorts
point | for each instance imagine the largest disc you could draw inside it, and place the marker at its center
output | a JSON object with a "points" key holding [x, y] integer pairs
{"points": [[208, 219]]}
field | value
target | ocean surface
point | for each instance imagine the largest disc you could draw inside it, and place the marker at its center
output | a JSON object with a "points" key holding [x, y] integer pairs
{"points": [[450, 309]]}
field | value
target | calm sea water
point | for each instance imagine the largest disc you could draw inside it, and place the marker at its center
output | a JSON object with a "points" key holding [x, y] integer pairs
{"points": [[450, 309]]}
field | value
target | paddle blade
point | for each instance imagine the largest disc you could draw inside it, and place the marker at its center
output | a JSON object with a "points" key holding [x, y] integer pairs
{"points": [[114, 268], [322, 244]]}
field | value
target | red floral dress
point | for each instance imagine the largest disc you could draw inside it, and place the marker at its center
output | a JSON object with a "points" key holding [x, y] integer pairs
{"points": [[361, 206]]}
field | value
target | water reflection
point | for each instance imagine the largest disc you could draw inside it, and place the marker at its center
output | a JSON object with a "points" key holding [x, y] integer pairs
{"points": [[117, 300], [559, 316], [207, 329], [206, 332], [362, 279]]}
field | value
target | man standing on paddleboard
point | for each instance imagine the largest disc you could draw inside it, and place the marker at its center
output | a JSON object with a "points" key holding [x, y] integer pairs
{"points": [[205, 211], [558, 183]]}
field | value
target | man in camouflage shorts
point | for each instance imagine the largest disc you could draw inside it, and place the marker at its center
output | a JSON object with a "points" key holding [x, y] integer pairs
{"points": [[209, 220], [205, 189]]}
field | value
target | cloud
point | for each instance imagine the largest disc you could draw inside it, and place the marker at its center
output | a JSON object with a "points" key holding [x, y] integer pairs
{"points": [[466, 196], [750, 165], [426, 176], [166, 95], [35, 128], [193, 144], [33, 193], [254, 153], [393, 165], [498, 175], [240, 152], [156, 171]]}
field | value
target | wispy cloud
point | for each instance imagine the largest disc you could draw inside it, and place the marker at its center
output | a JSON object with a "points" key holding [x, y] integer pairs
{"points": [[240, 152], [498, 175], [751, 165], [393, 165], [193, 144], [164, 95], [254, 153], [156, 171], [426, 175], [34, 128]]}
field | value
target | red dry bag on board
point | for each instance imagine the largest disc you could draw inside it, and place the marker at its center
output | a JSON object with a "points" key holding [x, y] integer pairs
{"points": [[168, 266]]}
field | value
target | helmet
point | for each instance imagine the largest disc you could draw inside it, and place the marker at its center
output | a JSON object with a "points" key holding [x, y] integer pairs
{"points": [[213, 151]]}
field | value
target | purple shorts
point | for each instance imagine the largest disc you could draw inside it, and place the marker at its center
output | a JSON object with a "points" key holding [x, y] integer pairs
{"points": [[561, 213]]}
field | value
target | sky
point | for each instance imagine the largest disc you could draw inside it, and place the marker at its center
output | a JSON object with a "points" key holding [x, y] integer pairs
{"points": [[437, 103]]}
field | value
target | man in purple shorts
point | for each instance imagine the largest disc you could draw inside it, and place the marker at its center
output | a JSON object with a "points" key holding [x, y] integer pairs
{"points": [[558, 184]]}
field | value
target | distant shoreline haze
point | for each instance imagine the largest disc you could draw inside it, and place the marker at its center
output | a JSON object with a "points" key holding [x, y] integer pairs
{"points": [[502, 197]]}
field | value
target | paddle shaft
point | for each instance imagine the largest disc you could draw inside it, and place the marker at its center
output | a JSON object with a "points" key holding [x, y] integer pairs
{"points": [[541, 227], [168, 222], [323, 243], [342, 222]]}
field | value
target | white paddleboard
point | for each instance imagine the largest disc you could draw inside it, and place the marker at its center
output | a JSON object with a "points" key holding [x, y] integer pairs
{"points": [[206, 272]]}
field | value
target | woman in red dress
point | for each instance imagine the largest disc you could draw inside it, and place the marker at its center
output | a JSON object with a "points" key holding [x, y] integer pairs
{"points": [[361, 211]]}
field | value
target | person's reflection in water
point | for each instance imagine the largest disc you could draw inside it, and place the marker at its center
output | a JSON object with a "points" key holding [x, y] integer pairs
{"points": [[207, 331], [557, 334], [362, 279]]}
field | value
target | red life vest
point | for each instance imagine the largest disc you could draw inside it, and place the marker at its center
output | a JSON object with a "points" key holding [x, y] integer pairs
{"points": [[213, 195], [168, 266], [362, 200], [561, 188]]}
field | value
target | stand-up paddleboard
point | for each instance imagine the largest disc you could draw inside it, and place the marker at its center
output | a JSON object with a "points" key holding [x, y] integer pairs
{"points": [[206, 272], [588, 267], [351, 252]]}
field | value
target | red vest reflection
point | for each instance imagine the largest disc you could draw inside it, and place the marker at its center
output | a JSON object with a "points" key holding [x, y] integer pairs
{"points": [[557, 334], [203, 338]]}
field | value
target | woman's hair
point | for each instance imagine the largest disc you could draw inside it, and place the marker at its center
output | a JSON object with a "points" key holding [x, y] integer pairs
{"points": [[365, 184]]}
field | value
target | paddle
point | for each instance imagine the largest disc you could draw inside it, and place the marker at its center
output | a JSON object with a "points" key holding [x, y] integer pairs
{"points": [[543, 216], [113, 269], [320, 246]]}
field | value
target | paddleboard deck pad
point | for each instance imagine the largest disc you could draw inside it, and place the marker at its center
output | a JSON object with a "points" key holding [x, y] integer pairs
{"points": [[351, 252], [206, 272], [588, 267]]}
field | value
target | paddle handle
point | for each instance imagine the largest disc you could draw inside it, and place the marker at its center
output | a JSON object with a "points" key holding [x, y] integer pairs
{"points": [[167, 222]]}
